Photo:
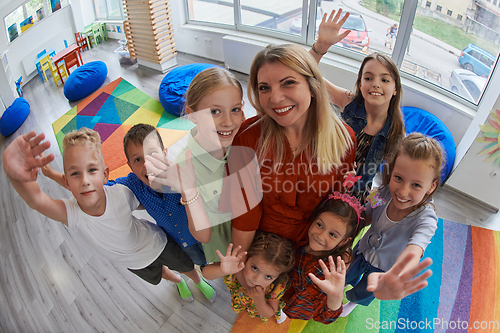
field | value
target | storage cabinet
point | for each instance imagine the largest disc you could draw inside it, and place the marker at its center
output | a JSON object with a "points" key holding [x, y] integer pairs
{"points": [[7, 85]]}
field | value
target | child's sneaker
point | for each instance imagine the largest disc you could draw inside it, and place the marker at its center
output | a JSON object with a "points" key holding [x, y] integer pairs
{"points": [[184, 291], [207, 290], [282, 317], [347, 309]]}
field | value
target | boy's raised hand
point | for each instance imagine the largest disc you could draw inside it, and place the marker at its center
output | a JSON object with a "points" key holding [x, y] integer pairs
{"points": [[392, 285], [333, 284], [20, 159], [329, 30], [231, 263]]}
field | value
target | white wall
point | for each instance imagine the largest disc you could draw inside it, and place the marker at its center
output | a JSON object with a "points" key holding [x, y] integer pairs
{"points": [[83, 13], [46, 34]]}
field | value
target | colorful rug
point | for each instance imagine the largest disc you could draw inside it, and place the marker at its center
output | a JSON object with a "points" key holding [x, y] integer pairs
{"points": [[112, 111], [463, 293]]}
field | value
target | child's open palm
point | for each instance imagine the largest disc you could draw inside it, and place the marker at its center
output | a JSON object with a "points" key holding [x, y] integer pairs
{"points": [[334, 281], [165, 172], [231, 263], [329, 29], [20, 158]]}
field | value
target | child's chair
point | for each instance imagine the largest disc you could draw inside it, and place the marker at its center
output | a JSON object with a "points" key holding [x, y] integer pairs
{"points": [[46, 63], [96, 33], [19, 89], [81, 42], [38, 63], [71, 60]]}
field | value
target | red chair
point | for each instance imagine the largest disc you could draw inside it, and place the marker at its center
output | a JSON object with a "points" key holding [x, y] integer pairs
{"points": [[71, 60], [81, 42]]}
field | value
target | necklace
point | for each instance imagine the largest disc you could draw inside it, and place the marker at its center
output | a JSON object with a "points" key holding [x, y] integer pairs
{"points": [[294, 150]]}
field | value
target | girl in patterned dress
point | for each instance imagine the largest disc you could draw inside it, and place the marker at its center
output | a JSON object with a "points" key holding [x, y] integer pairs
{"points": [[317, 291], [258, 285]]}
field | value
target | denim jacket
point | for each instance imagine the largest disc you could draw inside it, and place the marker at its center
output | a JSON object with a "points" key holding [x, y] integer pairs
{"points": [[355, 116]]}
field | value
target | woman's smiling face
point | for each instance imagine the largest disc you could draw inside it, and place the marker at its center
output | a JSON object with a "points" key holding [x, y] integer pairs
{"points": [[284, 94]]}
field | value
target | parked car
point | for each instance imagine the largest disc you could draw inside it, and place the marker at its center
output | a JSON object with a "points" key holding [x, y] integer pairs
{"points": [[467, 84], [477, 60], [358, 37]]}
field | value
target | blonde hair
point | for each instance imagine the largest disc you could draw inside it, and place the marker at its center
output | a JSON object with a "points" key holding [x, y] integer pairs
{"points": [[397, 129], [84, 137], [418, 147], [326, 139], [206, 82]]}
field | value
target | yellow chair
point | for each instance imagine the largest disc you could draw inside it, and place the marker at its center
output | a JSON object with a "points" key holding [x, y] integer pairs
{"points": [[46, 63]]}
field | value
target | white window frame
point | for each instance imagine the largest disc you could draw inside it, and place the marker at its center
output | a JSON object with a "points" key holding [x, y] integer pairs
{"points": [[307, 37]]}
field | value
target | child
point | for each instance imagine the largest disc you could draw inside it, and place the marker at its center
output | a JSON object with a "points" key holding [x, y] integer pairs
{"points": [[372, 112], [335, 223], [257, 286], [391, 34], [402, 212], [101, 214], [160, 203], [214, 103]]}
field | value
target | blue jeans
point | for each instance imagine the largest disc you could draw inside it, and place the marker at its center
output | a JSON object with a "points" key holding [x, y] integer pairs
{"points": [[357, 276], [195, 252]]}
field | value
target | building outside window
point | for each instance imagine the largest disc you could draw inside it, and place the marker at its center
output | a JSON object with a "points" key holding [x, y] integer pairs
{"points": [[449, 12], [420, 58]]}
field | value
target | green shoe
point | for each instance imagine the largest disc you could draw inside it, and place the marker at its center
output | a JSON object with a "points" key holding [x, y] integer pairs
{"points": [[207, 290], [184, 291]]}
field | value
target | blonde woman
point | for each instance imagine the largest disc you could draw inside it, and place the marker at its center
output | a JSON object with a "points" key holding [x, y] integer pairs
{"points": [[303, 148]]}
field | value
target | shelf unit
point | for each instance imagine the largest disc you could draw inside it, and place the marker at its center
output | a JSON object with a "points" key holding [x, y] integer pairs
{"points": [[7, 85]]}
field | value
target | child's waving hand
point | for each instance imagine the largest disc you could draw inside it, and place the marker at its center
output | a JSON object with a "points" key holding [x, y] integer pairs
{"points": [[231, 263], [21, 159], [333, 284], [334, 277], [329, 31]]}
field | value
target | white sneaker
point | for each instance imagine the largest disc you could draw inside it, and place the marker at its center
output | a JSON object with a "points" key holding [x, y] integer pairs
{"points": [[347, 309], [282, 317]]}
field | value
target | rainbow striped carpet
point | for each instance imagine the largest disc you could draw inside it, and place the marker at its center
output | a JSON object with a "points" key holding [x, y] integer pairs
{"points": [[463, 294]]}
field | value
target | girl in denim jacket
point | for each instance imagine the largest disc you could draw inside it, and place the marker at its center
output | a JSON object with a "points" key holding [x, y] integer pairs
{"points": [[372, 111]]}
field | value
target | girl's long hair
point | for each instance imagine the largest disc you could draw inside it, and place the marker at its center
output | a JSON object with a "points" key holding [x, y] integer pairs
{"points": [[326, 139], [397, 129]]}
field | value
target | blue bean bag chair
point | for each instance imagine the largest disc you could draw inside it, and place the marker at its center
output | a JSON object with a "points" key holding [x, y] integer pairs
{"points": [[85, 80], [175, 84], [14, 116], [421, 121]]}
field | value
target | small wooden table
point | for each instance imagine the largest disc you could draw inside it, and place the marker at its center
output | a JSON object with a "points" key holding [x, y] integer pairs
{"points": [[60, 56]]}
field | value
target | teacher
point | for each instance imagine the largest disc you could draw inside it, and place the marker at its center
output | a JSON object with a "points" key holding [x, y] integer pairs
{"points": [[302, 147]]}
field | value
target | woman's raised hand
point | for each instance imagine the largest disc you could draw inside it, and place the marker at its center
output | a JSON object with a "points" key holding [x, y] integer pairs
{"points": [[231, 263]]}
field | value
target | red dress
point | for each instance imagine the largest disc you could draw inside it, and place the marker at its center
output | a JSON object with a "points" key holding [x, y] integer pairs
{"points": [[289, 194]]}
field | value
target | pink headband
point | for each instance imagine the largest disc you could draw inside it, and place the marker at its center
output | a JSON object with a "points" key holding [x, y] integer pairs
{"points": [[351, 200]]}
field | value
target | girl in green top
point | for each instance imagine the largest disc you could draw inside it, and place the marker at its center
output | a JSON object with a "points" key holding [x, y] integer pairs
{"points": [[214, 103]]}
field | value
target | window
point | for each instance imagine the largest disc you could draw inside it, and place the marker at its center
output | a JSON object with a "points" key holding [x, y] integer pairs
{"points": [[494, 2], [449, 12], [418, 59], [29, 13], [108, 9], [474, 90]]}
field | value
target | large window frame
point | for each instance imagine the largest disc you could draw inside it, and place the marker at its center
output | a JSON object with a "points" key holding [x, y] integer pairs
{"points": [[307, 37], [27, 12], [107, 5]]}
